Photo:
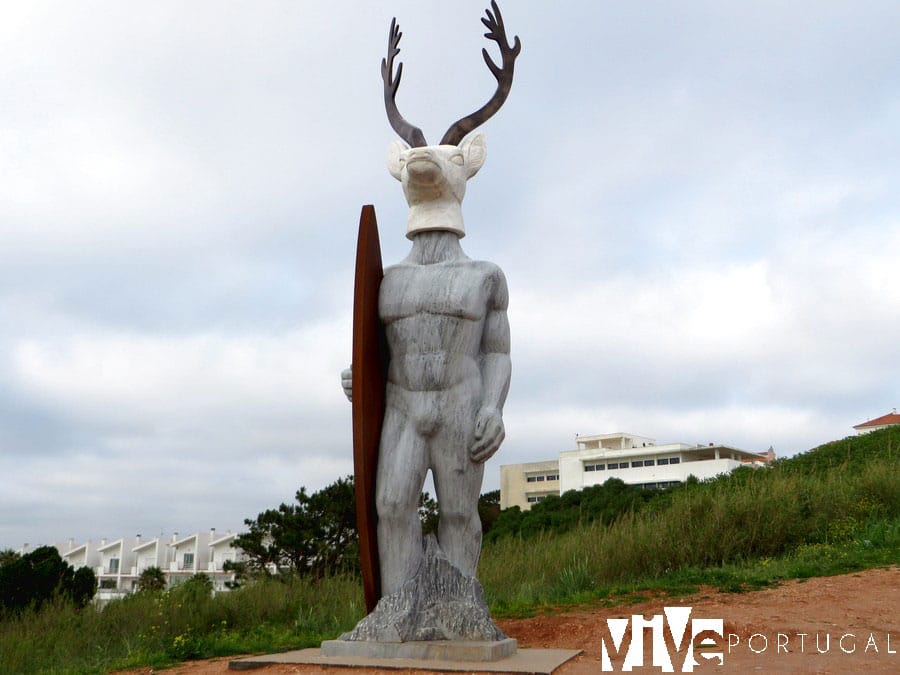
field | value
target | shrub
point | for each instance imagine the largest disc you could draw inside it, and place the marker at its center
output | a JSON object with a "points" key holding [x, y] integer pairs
{"points": [[151, 580], [35, 578]]}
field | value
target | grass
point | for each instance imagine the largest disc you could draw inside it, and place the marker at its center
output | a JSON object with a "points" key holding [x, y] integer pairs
{"points": [[161, 629], [714, 528], [873, 544], [833, 510]]}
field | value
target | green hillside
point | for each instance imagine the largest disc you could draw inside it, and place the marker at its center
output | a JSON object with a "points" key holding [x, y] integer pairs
{"points": [[850, 453], [607, 502], [834, 508]]}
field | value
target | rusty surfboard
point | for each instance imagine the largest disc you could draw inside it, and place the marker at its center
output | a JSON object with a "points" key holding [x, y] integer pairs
{"points": [[369, 365]]}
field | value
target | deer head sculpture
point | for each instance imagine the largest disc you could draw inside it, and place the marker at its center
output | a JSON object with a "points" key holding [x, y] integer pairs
{"points": [[434, 176]]}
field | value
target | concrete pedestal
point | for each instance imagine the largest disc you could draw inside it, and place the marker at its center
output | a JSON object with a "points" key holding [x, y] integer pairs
{"points": [[538, 661], [441, 650]]}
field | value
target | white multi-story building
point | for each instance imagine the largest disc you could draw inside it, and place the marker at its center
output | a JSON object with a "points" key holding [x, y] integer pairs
{"points": [[115, 576], [118, 564], [636, 460], [525, 484], [221, 551], [79, 555], [152, 553], [189, 556]]}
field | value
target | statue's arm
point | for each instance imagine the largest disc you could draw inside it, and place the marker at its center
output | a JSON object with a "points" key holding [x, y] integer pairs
{"points": [[495, 373], [347, 373]]}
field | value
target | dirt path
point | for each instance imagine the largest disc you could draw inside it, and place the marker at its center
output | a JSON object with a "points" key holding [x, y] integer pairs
{"points": [[862, 607]]}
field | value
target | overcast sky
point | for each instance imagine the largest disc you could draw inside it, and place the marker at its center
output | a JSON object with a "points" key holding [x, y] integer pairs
{"points": [[696, 205]]}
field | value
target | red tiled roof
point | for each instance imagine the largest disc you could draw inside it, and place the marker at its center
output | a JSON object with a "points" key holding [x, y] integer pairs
{"points": [[890, 418]]}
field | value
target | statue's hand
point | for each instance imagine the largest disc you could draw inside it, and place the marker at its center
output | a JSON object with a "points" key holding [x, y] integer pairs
{"points": [[347, 382], [489, 434]]}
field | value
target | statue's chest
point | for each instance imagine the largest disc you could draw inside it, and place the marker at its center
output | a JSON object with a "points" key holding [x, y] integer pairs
{"points": [[449, 290]]}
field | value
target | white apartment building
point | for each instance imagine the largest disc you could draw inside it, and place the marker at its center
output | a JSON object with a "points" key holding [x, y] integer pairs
{"points": [[636, 460], [152, 553], [118, 564], [80, 555], [221, 551], [525, 484], [203, 552], [115, 577], [189, 555]]}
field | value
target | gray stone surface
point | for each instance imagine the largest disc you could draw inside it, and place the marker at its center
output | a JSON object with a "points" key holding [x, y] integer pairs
{"points": [[430, 650], [438, 603], [543, 661], [448, 337]]}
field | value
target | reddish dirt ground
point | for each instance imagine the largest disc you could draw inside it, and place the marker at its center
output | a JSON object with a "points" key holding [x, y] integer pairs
{"points": [[863, 607]]}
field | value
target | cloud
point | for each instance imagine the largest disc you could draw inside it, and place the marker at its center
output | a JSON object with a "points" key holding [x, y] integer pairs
{"points": [[173, 430], [150, 388], [700, 343], [694, 206]]}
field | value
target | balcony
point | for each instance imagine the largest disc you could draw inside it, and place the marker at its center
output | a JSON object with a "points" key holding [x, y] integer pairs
{"points": [[106, 594], [182, 566]]}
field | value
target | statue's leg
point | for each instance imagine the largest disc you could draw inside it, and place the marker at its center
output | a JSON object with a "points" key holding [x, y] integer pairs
{"points": [[457, 480], [402, 465]]}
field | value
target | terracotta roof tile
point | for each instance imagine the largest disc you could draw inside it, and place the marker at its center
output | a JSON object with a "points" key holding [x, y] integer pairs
{"points": [[890, 418]]}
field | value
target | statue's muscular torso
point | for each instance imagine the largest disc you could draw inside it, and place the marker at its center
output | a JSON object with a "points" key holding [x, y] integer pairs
{"points": [[434, 318]]}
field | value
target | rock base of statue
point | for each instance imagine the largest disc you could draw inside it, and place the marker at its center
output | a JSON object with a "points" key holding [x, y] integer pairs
{"points": [[438, 612]]}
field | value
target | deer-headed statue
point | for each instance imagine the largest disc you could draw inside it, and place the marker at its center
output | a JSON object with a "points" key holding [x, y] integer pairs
{"points": [[444, 318]]}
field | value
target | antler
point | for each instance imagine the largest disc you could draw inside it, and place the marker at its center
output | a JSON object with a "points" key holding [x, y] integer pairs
{"points": [[504, 75], [409, 133]]}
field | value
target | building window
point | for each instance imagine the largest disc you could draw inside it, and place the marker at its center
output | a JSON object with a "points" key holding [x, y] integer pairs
{"points": [[531, 479], [532, 500], [664, 460], [552, 476], [637, 463], [113, 565], [540, 479], [674, 460], [661, 485], [590, 467], [188, 560], [613, 465], [649, 462]]}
